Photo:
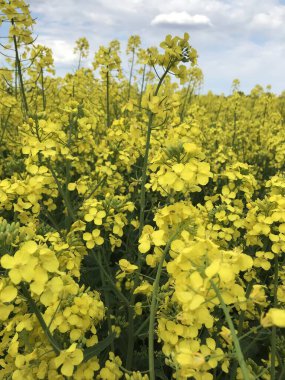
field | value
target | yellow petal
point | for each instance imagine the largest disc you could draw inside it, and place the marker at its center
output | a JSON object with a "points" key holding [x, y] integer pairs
{"points": [[213, 269], [197, 300], [7, 261], [277, 317], [8, 293], [29, 247]]}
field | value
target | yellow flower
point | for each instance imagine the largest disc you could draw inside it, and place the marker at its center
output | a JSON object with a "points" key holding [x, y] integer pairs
{"points": [[225, 333], [68, 359], [93, 238], [126, 266], [5, 310], [138, 308], [144, 288], [95, 215], [7, 292], [71, 186], [51, 291], [274, 317], [23, 263]]}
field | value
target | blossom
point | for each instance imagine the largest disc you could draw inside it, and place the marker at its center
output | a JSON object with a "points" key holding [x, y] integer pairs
{"points": [[126, 266], [274, 317], [68, 359], [93, 238]]}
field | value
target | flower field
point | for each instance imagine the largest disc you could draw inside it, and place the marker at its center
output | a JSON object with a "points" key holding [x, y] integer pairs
{"points": [[142, 226]]}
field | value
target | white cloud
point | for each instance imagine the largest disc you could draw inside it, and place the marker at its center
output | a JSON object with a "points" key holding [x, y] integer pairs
{"points": [[251, 63], [102, 18], [274, 18], [62, 50], [181, 18]]}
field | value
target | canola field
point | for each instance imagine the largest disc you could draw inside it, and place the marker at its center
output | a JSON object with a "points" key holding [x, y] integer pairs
{"points": [[142, 225]]}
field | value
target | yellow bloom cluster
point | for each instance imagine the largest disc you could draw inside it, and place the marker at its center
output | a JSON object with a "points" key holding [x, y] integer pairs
{"points": [[111, 214]]}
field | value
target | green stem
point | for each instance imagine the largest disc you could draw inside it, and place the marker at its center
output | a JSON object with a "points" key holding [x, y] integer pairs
{"points": [[238, 350], [146, 156], [153, 309], [16, 80], [67, 170], [19, 71], [5, 126], [240, 327], [142, 86], [108, 120], [110, 281], [43, 89], [79, 61], [273, 331], [131, 337], [182, 115], [107, 303], [142, 326], [63, 194], [38, 314], [131, 74]]}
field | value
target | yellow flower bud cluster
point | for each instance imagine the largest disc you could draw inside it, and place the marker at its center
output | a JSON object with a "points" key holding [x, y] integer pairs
{"points": [[42, 59], [193, 264], [107, 58], [17, 12], [177, 51], [10, 233], [160, 105]]}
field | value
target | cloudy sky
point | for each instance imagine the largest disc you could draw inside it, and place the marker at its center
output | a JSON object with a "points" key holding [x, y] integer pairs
{"points": [[242, 39]]}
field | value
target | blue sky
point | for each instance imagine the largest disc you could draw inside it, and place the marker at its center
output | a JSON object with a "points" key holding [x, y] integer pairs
{"points": [[242, 39]]}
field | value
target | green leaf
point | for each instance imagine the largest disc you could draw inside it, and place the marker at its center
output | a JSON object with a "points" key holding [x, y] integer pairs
{"points": [[98, 347]]}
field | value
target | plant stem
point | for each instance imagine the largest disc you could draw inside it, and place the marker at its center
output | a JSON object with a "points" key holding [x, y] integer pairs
{"points": [[5, 126], [182, 115], [131, 74], [19, 71], [110, 281], [240, 326], [273, 331], [79, 61], [131, 337], [38, 314], [63, 194], [142, 86], [107, 303], [43, 89], [153, 309], [108, 122], [239, 353]]}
